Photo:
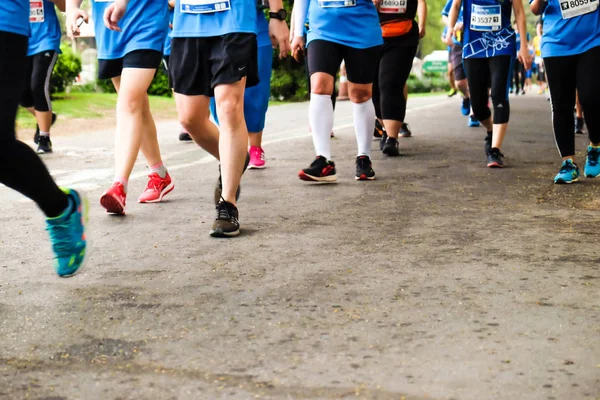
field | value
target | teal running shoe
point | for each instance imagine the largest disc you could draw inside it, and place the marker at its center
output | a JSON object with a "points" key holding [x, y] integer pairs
{"points": [[68, 235], [472, 122], [465, 107], [569, 172], [592, 162]]}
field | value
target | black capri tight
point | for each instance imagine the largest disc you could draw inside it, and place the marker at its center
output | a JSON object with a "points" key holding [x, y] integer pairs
{"points": [[566, 76], [20, 168], [393, 70], [38, 72], [483, 73]]}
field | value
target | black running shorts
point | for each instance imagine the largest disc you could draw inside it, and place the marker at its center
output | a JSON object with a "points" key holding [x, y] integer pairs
{"points": [[361, 64], [198, 65], [144, 59], [456, 58]]}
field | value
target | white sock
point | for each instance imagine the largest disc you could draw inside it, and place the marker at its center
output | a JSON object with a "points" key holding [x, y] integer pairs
{"points": [[44, 133], [320, 117], [364, 124]]}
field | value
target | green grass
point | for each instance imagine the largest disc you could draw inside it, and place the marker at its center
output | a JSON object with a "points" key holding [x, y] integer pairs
{"points": [[87, 106]]}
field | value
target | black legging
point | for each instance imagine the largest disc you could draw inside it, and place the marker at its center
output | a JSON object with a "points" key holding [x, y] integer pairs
{"points": [[567, 75], [388, 88], [519, 76], [483, 73], [334, 94], [20, 168]]}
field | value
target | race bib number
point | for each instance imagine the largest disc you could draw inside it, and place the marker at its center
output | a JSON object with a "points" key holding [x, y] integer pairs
{"points": [[575, 8], [394, 7], [204, 6], [336, 3], [36, 11], [486, 18]]}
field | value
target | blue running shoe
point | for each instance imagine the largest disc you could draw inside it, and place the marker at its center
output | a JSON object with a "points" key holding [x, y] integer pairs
{"points": [[473, 123], [68, 235], [465, 109], [569, 172], [592, 162]]}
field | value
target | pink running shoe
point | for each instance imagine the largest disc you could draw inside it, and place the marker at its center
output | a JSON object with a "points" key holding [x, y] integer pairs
{"points": [[257, 158], [114, 199], [156, 189]]}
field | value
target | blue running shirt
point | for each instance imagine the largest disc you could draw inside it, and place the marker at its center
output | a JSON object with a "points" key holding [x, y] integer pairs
{"points": [[144, 27], [45, 29], [353, 23], [488, 30], [208, 18], [570, 27], [167, 46], [14, 16]]}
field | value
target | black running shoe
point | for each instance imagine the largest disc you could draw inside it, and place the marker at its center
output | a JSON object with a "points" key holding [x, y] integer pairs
{"points": [[378, 132], [391, 147], [185, 137], [364, 171], [488, 143], [579, 126], [44, 145], [219, 187], [227, 222], [36, 137], [404, 131], [320, 170], [494, 158], [383, 140]]}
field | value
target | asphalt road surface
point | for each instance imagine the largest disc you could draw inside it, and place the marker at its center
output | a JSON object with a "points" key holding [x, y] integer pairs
{"points": [[442, 279]]}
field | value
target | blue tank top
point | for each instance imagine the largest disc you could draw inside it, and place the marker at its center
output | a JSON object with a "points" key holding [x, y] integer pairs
{"points": [[208, 18], [353, 23], [167, 46], [488, 31], [13, 16], [144, 27], [45, 28], [570, 30]]}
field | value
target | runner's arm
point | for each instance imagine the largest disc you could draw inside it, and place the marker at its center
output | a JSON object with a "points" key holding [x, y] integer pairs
{"points": [[537, 6], [452, 18], [60, 4], [519, 11], [278, 30], [300, 12], [422, 13]]}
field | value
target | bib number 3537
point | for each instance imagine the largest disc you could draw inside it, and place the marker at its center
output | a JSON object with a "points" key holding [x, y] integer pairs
{"points": [[36, 11], [575, 8], [204, 6], [393, 7], [486, 18]]}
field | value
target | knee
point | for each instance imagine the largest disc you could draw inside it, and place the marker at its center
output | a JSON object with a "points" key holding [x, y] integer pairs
{"points": [[130, 104], [230, 109], [360, 95], [322, 87]]}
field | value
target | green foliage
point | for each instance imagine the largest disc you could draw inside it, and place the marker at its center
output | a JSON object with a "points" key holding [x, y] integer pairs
{"points": [[428, 84], [66, 70], [105, 86], [160, 84]]}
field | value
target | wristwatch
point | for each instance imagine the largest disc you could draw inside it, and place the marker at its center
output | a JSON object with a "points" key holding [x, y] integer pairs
{"points": [[280, 15]]}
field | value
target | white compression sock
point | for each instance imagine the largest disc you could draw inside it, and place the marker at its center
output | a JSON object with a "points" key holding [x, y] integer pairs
{"points": [[364, 124], [320, 117]]}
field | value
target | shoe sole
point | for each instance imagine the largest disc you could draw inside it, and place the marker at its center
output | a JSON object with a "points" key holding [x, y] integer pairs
{"points": [[405, 135], [43, 152], [390, 153], [218, 233], [363, 177], [88, 244], [495, 165], [256, 166], [562, 181], [165, 192], [112, 205], [322, 179]]}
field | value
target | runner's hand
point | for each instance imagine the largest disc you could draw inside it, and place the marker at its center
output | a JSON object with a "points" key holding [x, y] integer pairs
{"points": [[298, 46], [113, 14], [524, 58], [422, 31], [73, 14], [279, 33], [449, 36], [377, 4]]}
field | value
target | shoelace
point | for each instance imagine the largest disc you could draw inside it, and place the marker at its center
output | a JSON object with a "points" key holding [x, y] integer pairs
{"points": [[364, 163], [593, 156], [224, 212], [154, 182]]}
